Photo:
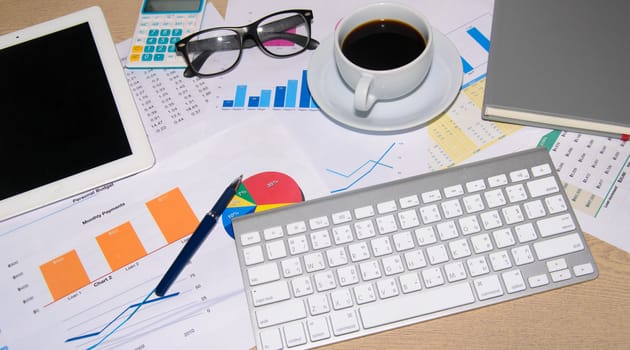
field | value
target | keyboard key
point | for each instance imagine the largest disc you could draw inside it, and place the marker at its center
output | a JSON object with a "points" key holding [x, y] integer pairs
{"points": [[408, 219], [250, 238], [415, 304], [473, 203], [519, 175], [342, 234], [324, 281], [341, 217], [273, 233], [403, 241], [253, 255], [286, 311], [270, 339], [386, 224], [302, 286], [516, 193], [447, 230], [318, 222], [540, 170], [425, 235], [386, 207], [341, 299], [556, 265], [415, 260], [552, 248], [513, 281], [294, 334], [497, 180], [364, 293], [522, 255], [387, 288], [453, 191], [556, 204], [583, 269], [409, 201], [364, 229], [561, 275], [488, 287], [318, 304], [347, 275], [475, 186], [270, 293], [410, 282], [429, 214], [542, 187], [431, 196], [555, 225], [297, 244], [318, 328], [320, 239], [370, 270], [432, 277], [296, 227], [455, 271], [538, 280], [263, 274], [344, 322], [364, 212], [392, 265]]}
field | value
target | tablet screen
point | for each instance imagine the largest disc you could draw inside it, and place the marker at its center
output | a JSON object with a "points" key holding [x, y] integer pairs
{"points": [[59, 115]]}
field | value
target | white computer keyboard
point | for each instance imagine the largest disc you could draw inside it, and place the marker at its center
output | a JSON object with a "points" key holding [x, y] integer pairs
{"points": [[382, 257]]}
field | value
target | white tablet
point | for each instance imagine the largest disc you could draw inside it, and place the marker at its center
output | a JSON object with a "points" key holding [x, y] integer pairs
{"points": [[68, 122]]}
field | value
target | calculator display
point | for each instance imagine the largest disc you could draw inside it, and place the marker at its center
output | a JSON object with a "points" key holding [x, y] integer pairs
{"points": [[163, 6]]}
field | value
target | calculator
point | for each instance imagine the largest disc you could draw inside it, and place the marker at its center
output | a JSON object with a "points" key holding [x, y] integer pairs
{"points": [[162, 23]]}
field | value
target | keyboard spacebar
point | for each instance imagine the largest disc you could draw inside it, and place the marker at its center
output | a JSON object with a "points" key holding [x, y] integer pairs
{"points": [[416, 304]]}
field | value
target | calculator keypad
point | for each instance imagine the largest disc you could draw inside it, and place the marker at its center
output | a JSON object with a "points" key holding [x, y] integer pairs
{"points": [[154, 41]]}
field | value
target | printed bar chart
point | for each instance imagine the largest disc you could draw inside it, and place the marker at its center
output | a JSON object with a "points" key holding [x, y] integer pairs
{"points": [[173, 215], [64, 274], [295, 94], [121, 246], [473, 42]]}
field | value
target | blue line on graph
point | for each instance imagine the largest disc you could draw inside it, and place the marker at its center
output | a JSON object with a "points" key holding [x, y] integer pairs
{"points": [[374, 164], [135, 308]]}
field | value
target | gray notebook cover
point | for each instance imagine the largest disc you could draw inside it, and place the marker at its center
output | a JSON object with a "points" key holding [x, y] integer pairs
{"points": [[568, 59]]}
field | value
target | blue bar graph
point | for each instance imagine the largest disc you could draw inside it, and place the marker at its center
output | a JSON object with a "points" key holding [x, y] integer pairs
{"points": [[479, 38], [265, 99], [289, 101], [295, 94], [467, 67], [278, 100]]}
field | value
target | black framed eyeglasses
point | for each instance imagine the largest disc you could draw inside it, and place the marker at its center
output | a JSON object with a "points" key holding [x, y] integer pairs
{"points": [[215, 51]]}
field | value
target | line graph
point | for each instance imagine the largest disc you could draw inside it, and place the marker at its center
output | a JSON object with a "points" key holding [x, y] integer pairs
{"points": [[362, 171], [133, 308]]}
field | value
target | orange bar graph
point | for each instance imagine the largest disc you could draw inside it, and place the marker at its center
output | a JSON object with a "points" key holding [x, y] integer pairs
{"points": [[173, 215], [64, 274], [121, 246]]}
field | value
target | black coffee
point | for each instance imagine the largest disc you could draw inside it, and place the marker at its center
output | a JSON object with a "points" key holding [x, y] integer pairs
{"points": [[383, 44]]}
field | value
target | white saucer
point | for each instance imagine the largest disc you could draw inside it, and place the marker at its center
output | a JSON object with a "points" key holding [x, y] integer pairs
{"points": [[429, 100]]}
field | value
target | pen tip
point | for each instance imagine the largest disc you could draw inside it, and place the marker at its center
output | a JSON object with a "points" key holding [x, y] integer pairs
{"points": [[236, 183]]}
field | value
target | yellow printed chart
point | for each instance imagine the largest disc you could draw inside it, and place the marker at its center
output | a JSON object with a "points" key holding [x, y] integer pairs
{"points": [[460, 132]]}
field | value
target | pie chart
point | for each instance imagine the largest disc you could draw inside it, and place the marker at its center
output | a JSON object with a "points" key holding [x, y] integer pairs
{"points": [[263, 191]]}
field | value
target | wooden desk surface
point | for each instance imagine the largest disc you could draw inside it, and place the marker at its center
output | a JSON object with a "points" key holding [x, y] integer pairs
{"points": [[592, 315]]}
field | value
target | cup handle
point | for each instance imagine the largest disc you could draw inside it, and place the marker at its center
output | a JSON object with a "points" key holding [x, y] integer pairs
{"points": [[363, 101]]}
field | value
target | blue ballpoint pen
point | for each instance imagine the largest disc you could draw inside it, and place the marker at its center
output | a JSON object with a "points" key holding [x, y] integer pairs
{"points": [[196, 239]]}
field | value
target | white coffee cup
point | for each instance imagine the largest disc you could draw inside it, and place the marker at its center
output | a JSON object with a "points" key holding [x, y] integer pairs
{"points": [[371, 85]]}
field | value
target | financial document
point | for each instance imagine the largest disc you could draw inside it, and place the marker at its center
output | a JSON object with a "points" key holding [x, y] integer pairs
{"points": [[74, 274]]}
